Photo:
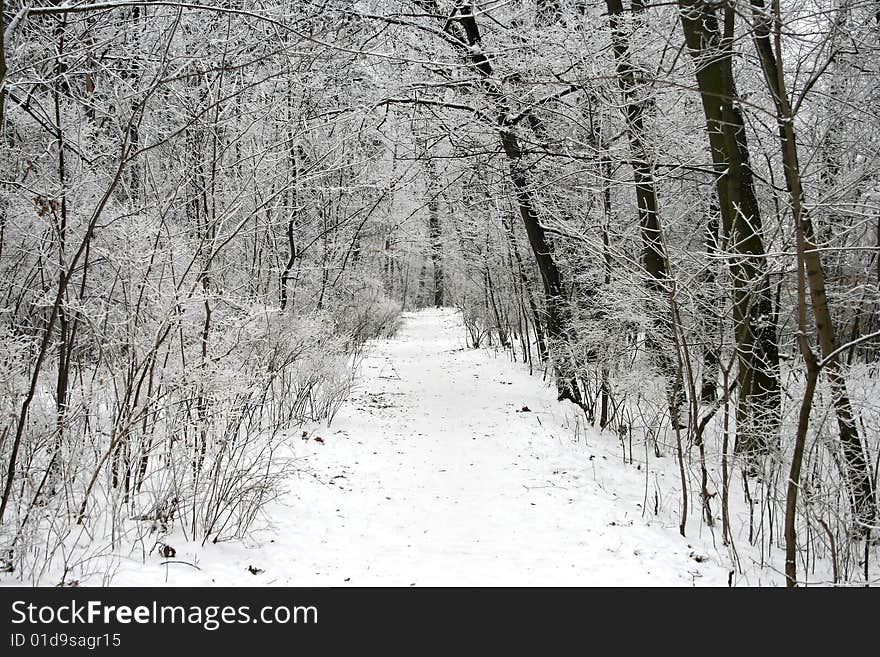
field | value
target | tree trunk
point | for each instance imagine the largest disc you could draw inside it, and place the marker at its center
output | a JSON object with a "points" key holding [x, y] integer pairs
{"points": [[758, 409], [550, 274], [653, 258], [292, 219], [527, 292], [3, 67], [435, 233], [465, 37], [857, 470], [711, 310]]}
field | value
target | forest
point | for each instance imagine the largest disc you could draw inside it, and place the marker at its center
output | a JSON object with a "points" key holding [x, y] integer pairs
{"points": [[665, 214]]}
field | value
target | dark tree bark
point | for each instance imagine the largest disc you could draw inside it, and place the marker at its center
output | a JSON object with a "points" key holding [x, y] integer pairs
{"points": [[653, 256], [758, 409], [527, 292], [296, 155], [712, 315], [435, 233], [857, 470], [3, 67], [605, 382], [59, 211], [131, 72], [464, 36]]}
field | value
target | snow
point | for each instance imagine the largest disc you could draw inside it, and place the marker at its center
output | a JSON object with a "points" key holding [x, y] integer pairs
{"points": [[433, 474]]}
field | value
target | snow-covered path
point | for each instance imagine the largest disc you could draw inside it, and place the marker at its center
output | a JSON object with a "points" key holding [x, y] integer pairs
{"points": [[433, 474]]}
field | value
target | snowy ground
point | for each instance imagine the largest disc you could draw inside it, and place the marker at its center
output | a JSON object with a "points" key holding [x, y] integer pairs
{"points": [[433, 474]]}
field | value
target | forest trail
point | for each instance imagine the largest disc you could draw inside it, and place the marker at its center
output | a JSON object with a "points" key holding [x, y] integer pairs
{"points": [[433, 474]]}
